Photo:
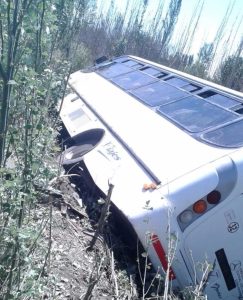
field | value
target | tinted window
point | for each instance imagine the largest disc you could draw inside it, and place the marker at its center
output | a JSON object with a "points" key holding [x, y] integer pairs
{"points": [[227, 136], [133, 80], [176, 81], [195, 114], [150, 71], [161, 75], [207, 94], [113, 70], [132, 63], [191, 87], [223, 101], [158, 93], [121, 59], [239, 109]]}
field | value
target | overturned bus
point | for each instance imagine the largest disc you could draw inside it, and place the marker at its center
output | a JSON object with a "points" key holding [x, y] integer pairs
{"points": [[172, 145]]}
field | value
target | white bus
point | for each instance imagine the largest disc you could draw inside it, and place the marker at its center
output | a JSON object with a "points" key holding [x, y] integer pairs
{"points": [[172, 145]]}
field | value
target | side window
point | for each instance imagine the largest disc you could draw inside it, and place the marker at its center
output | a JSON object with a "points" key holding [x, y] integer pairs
{"points": [[158, 93], [132, 63], [218, 99], [203, 111], [150, 71], [178, 82], [230, 135], [196, 115], [113, 70], [132, 80]]}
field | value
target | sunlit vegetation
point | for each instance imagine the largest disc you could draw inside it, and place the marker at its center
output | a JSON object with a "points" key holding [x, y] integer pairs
{"points": [[114, 32], [41, 43]]}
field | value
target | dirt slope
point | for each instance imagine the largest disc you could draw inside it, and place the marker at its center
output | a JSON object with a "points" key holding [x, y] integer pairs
{"points": [[75, 272]]}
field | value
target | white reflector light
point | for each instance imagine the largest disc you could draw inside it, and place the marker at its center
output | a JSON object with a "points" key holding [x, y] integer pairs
{"points": [[186, 216]]}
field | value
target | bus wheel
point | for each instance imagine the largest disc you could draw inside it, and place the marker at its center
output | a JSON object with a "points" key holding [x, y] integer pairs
{"points": [[75, 154], [84, 143]]}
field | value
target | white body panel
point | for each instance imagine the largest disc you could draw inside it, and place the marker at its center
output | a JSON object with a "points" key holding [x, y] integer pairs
{"points": [[187, 168], [149, 135]]}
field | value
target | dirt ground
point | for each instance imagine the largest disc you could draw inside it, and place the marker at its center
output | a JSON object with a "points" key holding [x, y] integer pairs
{"points": [[76, 272]]}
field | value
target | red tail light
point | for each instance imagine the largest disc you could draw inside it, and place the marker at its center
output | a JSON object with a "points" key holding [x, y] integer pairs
{"points": [[214, 197]]}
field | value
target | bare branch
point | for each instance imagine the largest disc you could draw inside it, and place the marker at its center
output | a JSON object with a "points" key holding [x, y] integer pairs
{"points": [[2, 72], [1, 39]]}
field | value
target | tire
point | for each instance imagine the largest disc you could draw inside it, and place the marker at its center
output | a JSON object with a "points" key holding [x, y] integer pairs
{"points": [[83, 143], [75, 154]]}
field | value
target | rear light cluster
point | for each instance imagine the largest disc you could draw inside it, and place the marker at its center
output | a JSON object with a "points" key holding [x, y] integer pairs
{"points": [[198, 208]]}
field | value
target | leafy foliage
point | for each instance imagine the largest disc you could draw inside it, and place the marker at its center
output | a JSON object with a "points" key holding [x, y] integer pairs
{"points": [[231, 72], [137, 31], [34, 65], [41, 43]]}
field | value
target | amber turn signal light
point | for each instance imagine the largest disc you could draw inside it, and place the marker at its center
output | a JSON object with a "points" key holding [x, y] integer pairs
{"points": [[200, 206]]}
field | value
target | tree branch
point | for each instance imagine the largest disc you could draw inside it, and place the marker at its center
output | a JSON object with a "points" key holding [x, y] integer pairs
{"points": [[3, 73], [1, 39]]}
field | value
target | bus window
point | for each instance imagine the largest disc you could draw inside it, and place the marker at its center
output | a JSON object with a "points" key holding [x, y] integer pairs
{"points": [[207, 94], [196, 115], [158, 93], [161, 75], [150, 71], [113, 70], [191, 88], [178, 82], [132, 63], [239, 109], [230, 135], [183, 84], [220, 100], [132, 80]]}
